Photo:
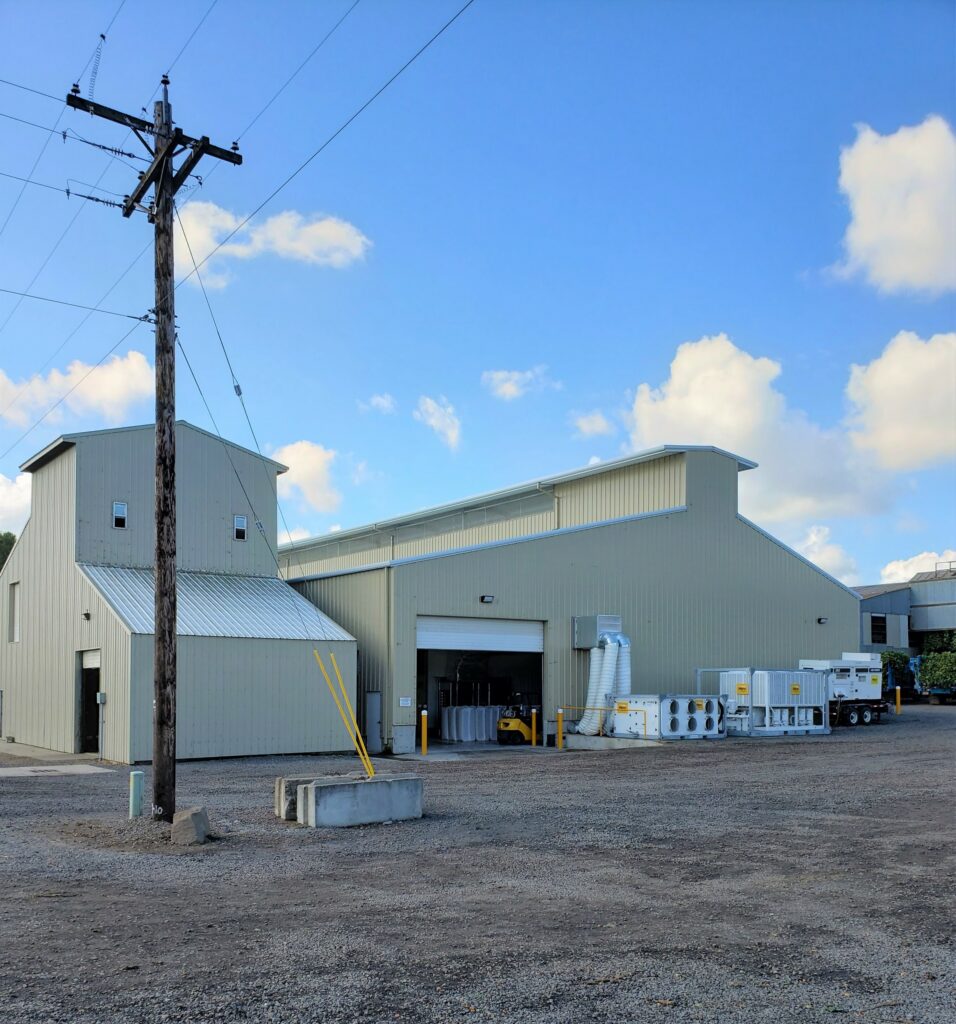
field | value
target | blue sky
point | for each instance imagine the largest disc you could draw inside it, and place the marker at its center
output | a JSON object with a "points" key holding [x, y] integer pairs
{"points": [[562, 193]]}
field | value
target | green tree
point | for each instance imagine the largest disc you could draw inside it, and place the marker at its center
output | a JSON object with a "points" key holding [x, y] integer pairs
{"points": [[939, 670], [7, 540]]}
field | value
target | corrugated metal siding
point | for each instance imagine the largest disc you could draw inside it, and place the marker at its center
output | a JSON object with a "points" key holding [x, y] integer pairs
{"points": [[221, 605], [629, 490], [933, 605], [360, 603], [245, 697], [698, 588], [39, 675], [118, 466]]}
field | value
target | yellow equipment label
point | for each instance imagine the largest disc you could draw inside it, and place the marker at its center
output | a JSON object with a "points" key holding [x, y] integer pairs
{"points": [[875, 680], [795, 689], [700, 704], [743, 689], [621, 707]]}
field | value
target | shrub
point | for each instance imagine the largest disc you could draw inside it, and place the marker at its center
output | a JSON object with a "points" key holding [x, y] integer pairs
{"points": [[938, 670]]}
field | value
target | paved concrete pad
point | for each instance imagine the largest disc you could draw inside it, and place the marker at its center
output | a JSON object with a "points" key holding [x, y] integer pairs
{"points": [[33, 771], [573, 741]]}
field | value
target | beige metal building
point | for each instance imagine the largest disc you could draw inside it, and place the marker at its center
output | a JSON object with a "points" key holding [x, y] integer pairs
{"points": [[77, 603], [470, 601]]}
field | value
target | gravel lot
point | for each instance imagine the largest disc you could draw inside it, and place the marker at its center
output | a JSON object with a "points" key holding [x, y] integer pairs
{"points": [[778, 880]]}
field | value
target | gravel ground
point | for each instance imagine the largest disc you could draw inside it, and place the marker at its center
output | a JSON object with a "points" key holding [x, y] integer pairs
{"points": [[792, 880]]}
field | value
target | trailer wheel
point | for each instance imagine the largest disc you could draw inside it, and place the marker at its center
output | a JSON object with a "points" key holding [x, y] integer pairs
{"points": [[866, 715], [852, 716]]}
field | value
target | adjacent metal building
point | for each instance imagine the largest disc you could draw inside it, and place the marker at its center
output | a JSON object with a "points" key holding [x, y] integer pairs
{"points": [[902, 615], [495, 582], [77, 597]]}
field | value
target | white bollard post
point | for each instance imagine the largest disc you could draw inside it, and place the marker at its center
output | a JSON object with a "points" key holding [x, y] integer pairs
{"points": [[136, 794]]}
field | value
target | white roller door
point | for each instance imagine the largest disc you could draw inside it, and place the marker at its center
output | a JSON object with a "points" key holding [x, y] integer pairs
{"points": [[442, 633]]}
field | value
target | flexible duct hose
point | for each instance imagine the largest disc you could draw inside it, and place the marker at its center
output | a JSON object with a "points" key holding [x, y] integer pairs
{"points": [[622, 678], [588, 725]]}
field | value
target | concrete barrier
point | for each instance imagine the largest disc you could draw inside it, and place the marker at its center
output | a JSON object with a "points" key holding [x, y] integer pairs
{"points": [[285, 795], [338, 802]]}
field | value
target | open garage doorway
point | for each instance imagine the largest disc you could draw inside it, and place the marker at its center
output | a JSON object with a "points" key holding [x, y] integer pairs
{"points": [[470, 670]]}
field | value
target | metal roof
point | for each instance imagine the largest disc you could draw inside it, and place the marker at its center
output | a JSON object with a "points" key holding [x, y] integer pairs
{"points": [[65, 441], [216, 604], [494, 497], [879, 589]]}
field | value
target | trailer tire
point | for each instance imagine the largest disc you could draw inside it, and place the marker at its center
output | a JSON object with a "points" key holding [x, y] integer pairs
{"points": [[852, 716], [866, 716]]}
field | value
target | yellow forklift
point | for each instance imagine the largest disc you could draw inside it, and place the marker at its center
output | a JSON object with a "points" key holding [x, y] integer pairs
{"points": [[514, 725]]}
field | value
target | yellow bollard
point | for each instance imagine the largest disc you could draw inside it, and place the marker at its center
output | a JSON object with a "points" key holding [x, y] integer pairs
{"points": [[424, 732], [534, 727], [899, 701], [559, 737]]}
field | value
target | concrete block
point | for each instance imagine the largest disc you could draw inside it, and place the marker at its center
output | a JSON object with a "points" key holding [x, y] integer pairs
{"points": [[190, 827], [403, 739], [337, 801], [300, 802], [284, 797]]}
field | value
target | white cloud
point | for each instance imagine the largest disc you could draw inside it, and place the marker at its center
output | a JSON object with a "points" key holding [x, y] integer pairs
{"points": [[718, 394], [439, 416], [110, 390], [902, 194], [335, 528], [310, 474], [905, 402], [595, 460], [292, 536], [361, 474], [510, 384], [832, 558], [383, 403], [14, 502], [903, 569], [325, 241], [592, 424]]}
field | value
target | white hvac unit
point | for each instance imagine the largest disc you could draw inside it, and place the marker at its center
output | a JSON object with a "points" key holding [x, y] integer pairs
{"points": [[770, 702], [637, 717], [690, 717]]}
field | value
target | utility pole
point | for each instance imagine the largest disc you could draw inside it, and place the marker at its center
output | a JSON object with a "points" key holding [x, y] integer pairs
{"points": [[168, 143]]}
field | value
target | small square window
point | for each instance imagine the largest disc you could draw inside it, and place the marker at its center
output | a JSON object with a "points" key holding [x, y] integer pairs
{"points": [[119, 515], [239, 527]]}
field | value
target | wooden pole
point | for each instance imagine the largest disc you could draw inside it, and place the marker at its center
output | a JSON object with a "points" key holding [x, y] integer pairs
{"points": [[161, 175], [164, 676]]}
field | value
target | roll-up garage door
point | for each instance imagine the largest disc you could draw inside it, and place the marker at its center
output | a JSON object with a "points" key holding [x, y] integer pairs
{"points": [[441, 633]]}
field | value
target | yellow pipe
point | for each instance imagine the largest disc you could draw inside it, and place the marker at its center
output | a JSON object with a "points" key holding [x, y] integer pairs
{"points": [[358, 732], [899, 700], [559, 737], [424, 732], [534, 727], [363, 757]]}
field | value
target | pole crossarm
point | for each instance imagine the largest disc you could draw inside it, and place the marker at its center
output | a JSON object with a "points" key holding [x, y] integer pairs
{"points": [[152, 173]]}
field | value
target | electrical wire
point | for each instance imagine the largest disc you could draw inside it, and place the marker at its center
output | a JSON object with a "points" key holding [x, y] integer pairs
{"points": [[190, 39], [295, 73], [68, 191], [338, 131], [76, 305], [26, 88], [16, 398], [65, 396], [232, 373]]}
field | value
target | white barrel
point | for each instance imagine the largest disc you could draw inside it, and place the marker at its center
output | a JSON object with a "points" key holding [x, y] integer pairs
{"points": [[466, 724], [481, 724], [446, 724]]}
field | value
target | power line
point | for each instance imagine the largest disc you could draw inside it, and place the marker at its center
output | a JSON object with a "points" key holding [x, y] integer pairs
{"points": [[26, 88], [16, 398], [338, 131], [68, 191], [235, 384], [76, 305], [65, 396], [295, 73], [98, 180]]}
